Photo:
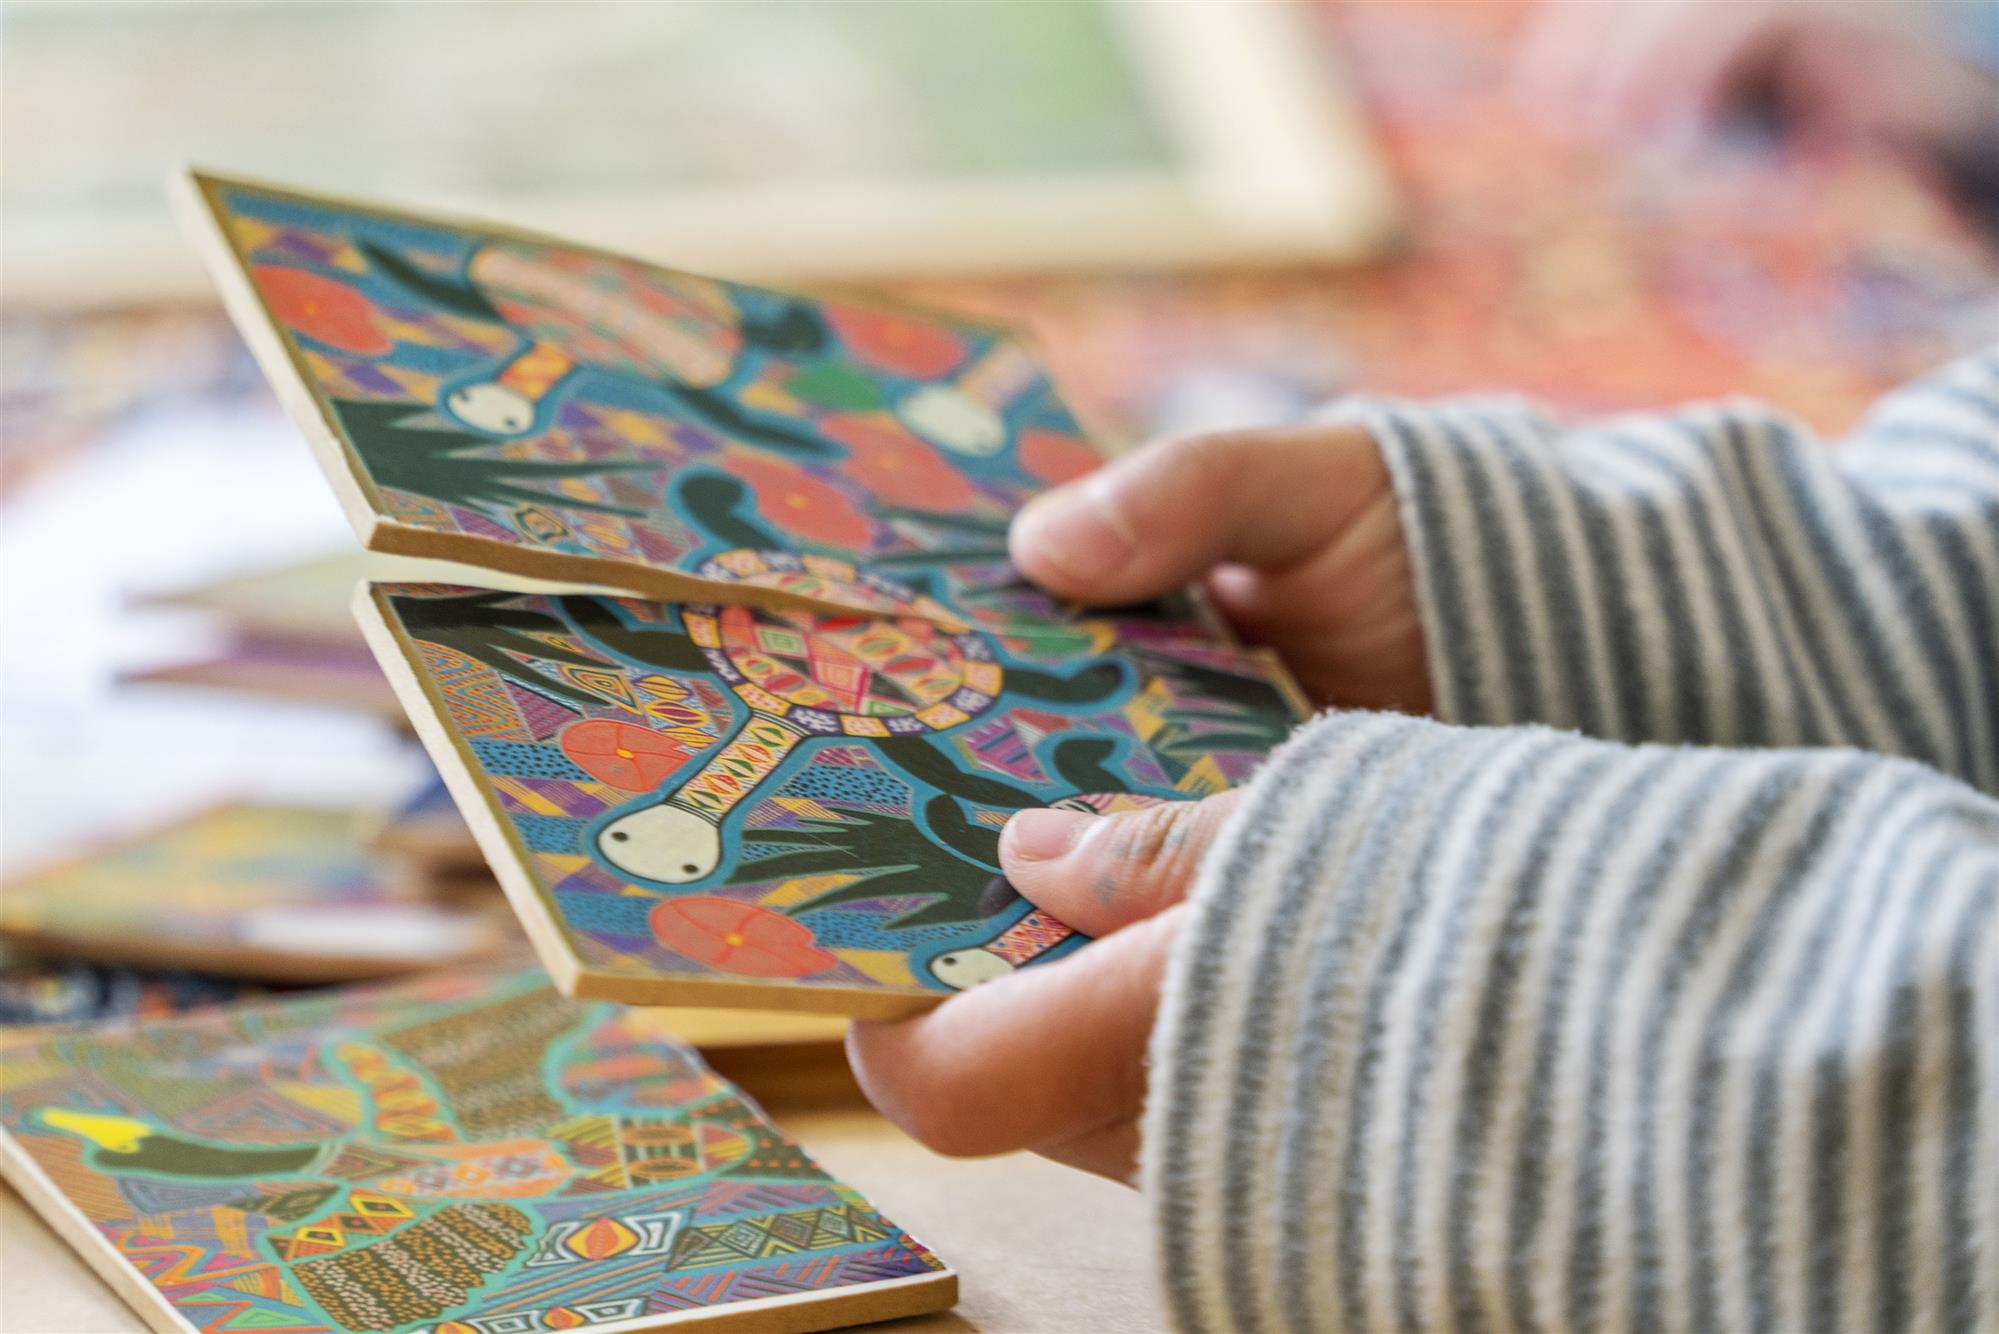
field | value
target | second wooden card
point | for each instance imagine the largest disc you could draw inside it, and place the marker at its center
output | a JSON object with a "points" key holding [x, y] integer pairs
{"points": [[726, 805]]}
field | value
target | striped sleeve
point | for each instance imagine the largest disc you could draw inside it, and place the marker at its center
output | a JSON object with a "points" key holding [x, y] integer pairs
{"points": [[1506, 1028], [1715, 576]]}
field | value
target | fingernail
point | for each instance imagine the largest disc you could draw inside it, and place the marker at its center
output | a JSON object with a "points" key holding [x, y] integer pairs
{"points": [[1041, 835], [1076, 529]]}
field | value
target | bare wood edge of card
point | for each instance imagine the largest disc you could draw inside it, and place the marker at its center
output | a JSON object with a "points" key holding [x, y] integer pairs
{"points": [[28, 1179], [746, 1032], [500, 848], [809, 1312], [614, 578], [791, 1313], [509, 861], [192, 192]]}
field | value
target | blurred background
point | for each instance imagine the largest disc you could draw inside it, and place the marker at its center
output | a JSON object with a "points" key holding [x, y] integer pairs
{"points": [[1212, 214]]}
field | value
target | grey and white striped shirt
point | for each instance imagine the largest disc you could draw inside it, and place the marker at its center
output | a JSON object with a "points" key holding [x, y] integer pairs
{"points": [[1657, 986]]}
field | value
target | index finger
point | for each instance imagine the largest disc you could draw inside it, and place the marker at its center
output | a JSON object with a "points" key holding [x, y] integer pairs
{"points": [[1156, 519]]}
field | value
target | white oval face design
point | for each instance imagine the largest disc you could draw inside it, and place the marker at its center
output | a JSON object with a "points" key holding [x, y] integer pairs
{"points": [[492, 408], [951, 419], [663, 843], [964, 969]]}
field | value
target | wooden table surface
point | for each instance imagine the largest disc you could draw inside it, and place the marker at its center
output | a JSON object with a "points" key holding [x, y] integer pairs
{"points": [[1039, 1249]]}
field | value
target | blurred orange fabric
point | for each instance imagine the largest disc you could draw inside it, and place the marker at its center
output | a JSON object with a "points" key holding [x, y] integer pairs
{"points": [[1543, 260]]}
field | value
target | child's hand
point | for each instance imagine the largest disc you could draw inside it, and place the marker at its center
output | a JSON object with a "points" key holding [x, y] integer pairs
{"points": [[1294, 531], [1053, 1058]]}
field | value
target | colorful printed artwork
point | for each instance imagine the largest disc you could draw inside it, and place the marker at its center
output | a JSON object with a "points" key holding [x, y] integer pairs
{"points": [[724, 804], [524, 405], [468, 1154], [263, 891]]}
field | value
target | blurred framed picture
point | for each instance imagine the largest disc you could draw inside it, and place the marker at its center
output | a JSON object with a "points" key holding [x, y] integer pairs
{"points": [[784, 138]]}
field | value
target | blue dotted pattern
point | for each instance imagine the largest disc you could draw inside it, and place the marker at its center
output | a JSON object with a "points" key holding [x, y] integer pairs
{"points": [[752, 852], [550, 833], [857, 929], [519, 759], [610, 914], [838, 783]]}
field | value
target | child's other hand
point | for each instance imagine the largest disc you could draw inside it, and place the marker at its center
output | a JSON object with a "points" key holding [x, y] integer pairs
{"points": [[1052, 1058], [1294, 532]]}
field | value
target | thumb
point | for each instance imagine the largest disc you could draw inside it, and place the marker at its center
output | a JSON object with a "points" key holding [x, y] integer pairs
{"points": [[1100, 872]]}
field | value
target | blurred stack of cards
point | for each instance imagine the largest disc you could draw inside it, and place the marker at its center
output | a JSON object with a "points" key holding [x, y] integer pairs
{"points": [[425, 848], [224, 902], [261, 893], [286, 633]]}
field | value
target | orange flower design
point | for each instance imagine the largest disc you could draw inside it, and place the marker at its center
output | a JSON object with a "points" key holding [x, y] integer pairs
{"points": [[1055, 457], [738, 938], [896, 467], [797, 502], [625, 755], [905, 344], [323, 309]]}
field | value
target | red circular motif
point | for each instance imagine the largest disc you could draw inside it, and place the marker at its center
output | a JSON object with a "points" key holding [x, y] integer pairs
{"points": [[625, 755], [797, 502], [324, 309], [894, 466], [906, 344], [738, 938], [1055, 457]]}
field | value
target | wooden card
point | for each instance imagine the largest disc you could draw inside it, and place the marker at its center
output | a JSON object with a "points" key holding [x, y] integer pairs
{"points": [[274, 892], [465, 1154], [544, 409], [725, 805]]}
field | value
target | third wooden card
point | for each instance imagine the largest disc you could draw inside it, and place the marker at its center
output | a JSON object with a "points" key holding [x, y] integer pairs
{"points": [[464, 1154]]}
